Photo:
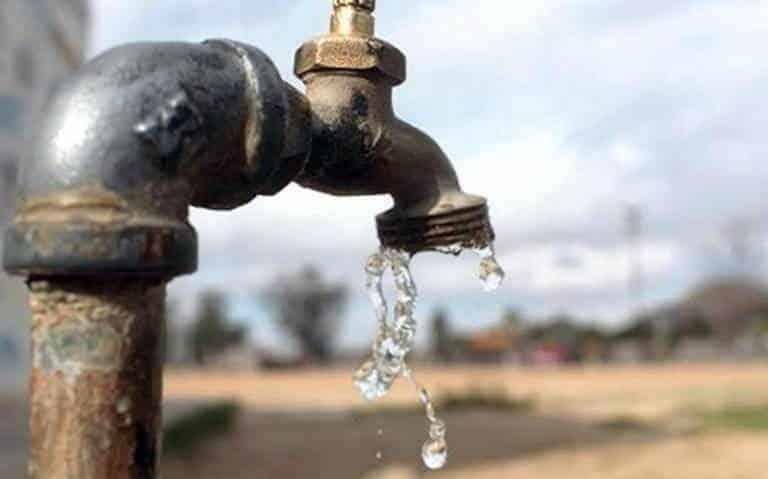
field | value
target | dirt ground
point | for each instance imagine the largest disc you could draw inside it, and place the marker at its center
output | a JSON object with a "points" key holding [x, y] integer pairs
{"points": [[590, 423], [587, 423]]}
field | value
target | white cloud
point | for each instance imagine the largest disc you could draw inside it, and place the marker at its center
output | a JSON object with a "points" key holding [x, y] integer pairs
{"points": [[552, 268], [459, 27]]}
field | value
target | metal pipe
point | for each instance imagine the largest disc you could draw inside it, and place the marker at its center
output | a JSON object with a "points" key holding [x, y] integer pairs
{"points": [[96, 383]]}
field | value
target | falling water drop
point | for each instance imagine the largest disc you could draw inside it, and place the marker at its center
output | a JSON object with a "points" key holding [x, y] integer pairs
{"points": [[369, 382], [491, 273], [435, 453]]}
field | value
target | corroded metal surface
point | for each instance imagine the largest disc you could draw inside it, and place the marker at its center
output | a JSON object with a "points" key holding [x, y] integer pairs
{"points": [[96, 381], [350, 45], [351, 53], [142, 132], [127, 250]]}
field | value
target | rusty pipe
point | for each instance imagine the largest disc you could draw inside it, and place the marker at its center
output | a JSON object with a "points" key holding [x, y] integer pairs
{"points": [[96, 383], [361, 147]]}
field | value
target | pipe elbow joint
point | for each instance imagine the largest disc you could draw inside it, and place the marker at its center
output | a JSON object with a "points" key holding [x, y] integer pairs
{"points": [[136, 137]]}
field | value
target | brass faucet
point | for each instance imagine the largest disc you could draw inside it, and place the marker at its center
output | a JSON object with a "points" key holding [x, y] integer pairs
{"points": [[360, 147], [128, 144]]}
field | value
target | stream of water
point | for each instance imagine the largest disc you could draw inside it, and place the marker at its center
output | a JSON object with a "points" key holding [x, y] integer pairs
{"points": [[395, 338]]}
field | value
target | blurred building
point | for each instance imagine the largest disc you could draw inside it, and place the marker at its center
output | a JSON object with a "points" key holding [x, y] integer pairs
{"points": [[41, 42]]}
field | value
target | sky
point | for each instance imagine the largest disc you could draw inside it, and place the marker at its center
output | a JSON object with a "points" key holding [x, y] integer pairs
{"points": [[561, 112]]}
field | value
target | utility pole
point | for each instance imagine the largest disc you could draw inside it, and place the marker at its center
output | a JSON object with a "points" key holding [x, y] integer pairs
{"points": [[634, 228], [739, 235], [634, 225]]}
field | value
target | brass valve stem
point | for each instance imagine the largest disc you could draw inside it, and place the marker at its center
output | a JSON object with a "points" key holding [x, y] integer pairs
{"points": [[353, 18]]}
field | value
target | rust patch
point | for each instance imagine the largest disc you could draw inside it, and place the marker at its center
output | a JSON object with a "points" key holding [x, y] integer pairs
{"points": [[78, 347], [96, 379]]}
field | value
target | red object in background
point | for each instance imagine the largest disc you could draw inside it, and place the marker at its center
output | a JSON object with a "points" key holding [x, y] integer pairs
{"points": [[550, 355]]}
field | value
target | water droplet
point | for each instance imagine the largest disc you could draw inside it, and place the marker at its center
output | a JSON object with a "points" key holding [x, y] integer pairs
{"points": [[380, 432], [376, 264], [435, 453], [379, 455], [425, 397], [491, 273], [370, 382]]}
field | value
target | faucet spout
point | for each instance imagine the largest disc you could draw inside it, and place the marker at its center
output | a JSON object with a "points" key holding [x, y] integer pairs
{"points": [[361, 147]]}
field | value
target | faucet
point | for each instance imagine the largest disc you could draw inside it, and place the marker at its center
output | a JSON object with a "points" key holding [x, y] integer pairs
{"points": [[143, 132], [360, 147]]}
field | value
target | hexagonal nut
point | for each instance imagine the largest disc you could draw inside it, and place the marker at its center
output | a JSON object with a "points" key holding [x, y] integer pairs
{"points": [[369, 5], [336, 52]]}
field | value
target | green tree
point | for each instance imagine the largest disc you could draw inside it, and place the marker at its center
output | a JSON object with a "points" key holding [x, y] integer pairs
{"points": [[442, 338], [213, 332], [512, 320], [308, 308]]}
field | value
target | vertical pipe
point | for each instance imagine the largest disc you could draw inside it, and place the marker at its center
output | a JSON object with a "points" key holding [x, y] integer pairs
{"points": [[96, 382]]}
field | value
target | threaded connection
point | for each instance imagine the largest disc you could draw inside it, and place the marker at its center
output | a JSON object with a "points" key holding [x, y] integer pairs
{"points": [[369, 5], [469, 227]]}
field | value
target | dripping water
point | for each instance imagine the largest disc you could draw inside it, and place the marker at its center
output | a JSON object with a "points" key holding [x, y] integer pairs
{"points": [[395, 339], [434, 452]]}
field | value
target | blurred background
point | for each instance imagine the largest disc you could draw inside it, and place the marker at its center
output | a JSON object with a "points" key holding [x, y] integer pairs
{"points": [[619, 145]]}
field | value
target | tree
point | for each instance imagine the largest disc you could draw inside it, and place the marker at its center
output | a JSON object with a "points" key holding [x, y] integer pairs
{"points": [[213, 331], [512, 320], [308, 308], [442, 338], [728, 304]]}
